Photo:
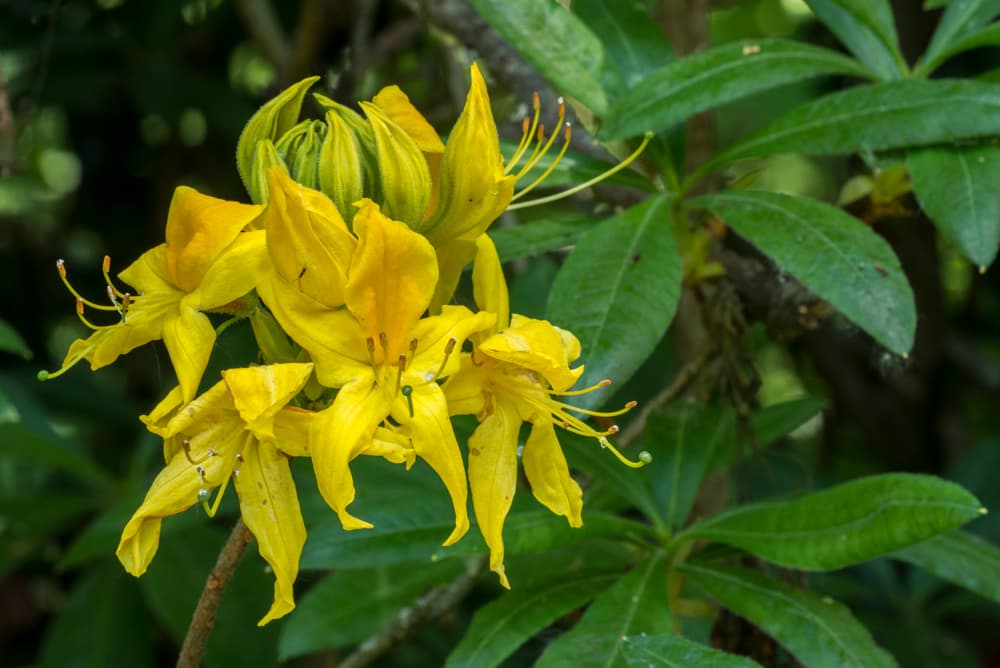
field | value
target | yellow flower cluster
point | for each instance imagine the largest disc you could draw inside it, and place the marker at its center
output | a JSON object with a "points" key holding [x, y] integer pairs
{"points": [[346, 267]]}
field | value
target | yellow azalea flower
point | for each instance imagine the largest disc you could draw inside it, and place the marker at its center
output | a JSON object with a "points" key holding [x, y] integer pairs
{"points": [[230, 431], [206, 264], [386, 360]]}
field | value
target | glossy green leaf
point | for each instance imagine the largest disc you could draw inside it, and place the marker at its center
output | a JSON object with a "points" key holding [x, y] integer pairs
{"points": [[500, 627], [12, 342], [538, 237], [348, 606], [818, 631], [963, 19], [846, 524], [556, 43], [668, 651], [866, 27], [957, 189], [103, 624], [832, 253], [896, 114], [637, 603], [618, 292], [716, 76], [961, 558]]}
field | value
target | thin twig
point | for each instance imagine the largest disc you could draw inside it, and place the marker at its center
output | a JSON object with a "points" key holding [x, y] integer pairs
{"points": [[7, 133], [428, 607], [204, 615]]}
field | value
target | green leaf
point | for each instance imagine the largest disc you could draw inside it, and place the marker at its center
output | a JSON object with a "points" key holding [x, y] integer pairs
{"points": [[634, 44], [12, 342], [867, 29], [769, 424], [896, 114], [667, 651], [618, 292], [818, 631], [832, 253], [682, 438], [500, 627], [716, 76], [962, 19], [348, 606], [21, 442], [956, 187], [843, 525], [103, 624], [637, 603], [538, 237], [556, 43], [961, 558]]}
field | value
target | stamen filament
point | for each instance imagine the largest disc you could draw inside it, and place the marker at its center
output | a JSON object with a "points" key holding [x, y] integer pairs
{"points": [[629, 406], [583, 186], [605, 443], [527, 136], [83, 318], [536, 155], [61, 267], [407, 392], [523, 144], [106, 270], [551, 167], [586, 390], [448, 349]]}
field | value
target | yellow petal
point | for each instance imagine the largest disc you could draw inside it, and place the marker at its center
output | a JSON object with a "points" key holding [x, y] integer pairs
{"points": [[397, 106], [259, 392], [474, 190], [452, 257], [189, 338], [391, 446], [149, 274], [493, 477], [434, 334], [547, 472], [198, 228], [536, 345], [434, 441], [464, 389], [270, 509], [489, 288], [234, 273], [391, 279], [291, 430], [307, 239], [339, 434], [143, 324], [405, 177]]}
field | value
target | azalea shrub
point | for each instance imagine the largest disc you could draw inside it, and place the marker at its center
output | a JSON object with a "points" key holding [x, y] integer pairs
{"points": [[554, 391]]}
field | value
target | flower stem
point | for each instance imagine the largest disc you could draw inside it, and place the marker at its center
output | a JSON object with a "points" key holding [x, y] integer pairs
{"points": [[204, 614]]}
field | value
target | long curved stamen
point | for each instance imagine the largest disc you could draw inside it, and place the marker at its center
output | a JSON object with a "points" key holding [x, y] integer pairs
{"points": [[629, 406], [526, 135], [586, 390], [540, 150], [407, 391], [79, 313], [61, 267], [106, 270], [551, 167], [448, 349], [400, 369], [583, 186], [644, 457]]}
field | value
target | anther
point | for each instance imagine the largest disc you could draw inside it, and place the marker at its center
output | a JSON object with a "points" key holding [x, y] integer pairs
{"points": [[413, 346], [239, 457], [370, 344], [105, 269], [383, 340], [61, 268]]}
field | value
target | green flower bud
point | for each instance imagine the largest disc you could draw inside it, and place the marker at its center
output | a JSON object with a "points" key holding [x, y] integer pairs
{"points": [[341, 177], [365, 142], [403, 173], [265, 156]]}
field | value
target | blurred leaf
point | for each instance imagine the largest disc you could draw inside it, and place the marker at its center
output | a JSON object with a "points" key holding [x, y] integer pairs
{"points": [[963, 20], [104, 624], [956, 187], [867, 29], [770, 424], [865, 119], [174, 582], [556, 43], [832, 253], [11, 341], [669, 651], [716, 76], [501, 626], [961, 558], [347, 606], [22, 443], [618, 291], [682, 438], [818, 631], [637, 603], [845, 524], [538, 237]]}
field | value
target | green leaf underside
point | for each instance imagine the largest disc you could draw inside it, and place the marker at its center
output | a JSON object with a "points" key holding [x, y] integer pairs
{"points": [[618, 292], [846, 524], [867, 29], [500, 627], [877, 117], [957, 188], [832, 253], [538, 237], [348, 606], [667, 651], [962, 27], [818, 631], [714, 77], [637, 603], [556, 43], [960, 558]]}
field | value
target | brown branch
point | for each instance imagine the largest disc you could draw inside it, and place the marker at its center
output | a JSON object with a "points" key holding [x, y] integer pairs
{"points": [[428, 607], [204, 614]]}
